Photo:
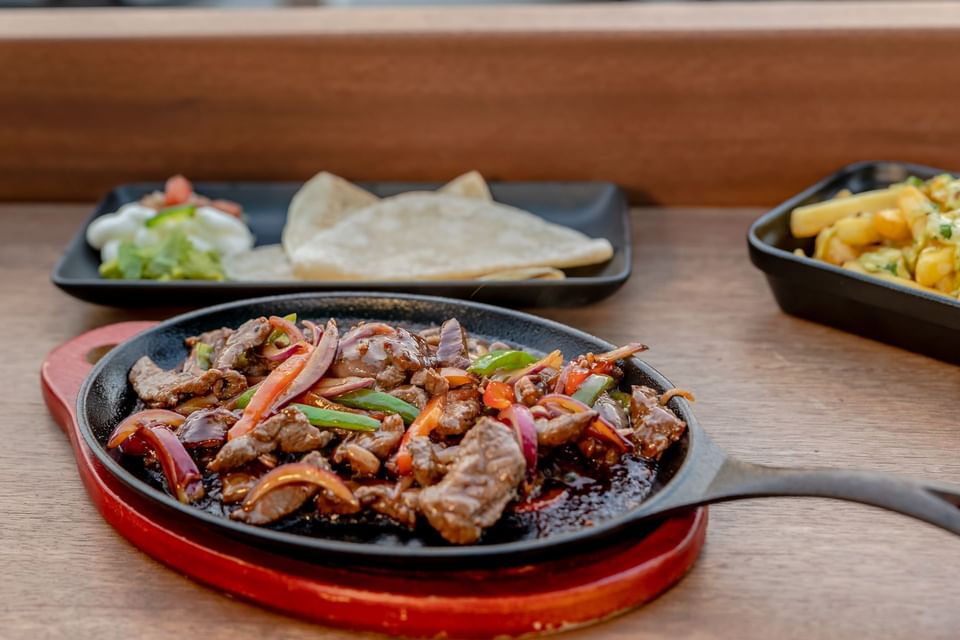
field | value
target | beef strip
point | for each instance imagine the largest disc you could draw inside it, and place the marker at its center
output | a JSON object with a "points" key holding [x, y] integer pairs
{"points": [[234, 486], [214, 339], [384, 498], [206, 427], [387, 356], [481, 481], [655, 428], [529, 389], [289, 431], [160, 388], [381, 442], [284, 500], [249, 335], [563, 429], [460, 408], [411, 394], [427, 469], [452, 350], [431, 380]]}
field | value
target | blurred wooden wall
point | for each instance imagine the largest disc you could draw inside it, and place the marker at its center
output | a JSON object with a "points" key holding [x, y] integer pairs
{"points": [[681, 104]]}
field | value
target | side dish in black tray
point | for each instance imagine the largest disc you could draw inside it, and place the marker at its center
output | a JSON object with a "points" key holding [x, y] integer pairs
{"points": [[433, 435], [872, 249]]}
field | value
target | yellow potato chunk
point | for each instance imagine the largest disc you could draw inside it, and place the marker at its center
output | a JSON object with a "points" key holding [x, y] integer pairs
{"points": [[934, 264], [915, 207], [892, 224], [839, 252], [809, 220], [857, 230]]}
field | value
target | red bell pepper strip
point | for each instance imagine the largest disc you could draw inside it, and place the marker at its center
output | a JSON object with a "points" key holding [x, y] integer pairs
{"points": [[421, 427], [130, 425], [299, 473], [267, 393], [183, 477], [498, 395]]}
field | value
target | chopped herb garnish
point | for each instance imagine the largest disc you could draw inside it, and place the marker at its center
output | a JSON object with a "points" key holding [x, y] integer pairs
{"points": [[914, 181], [946, 230], [891, 267]]}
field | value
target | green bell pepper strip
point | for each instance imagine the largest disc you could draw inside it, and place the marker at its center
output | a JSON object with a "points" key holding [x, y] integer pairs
{"points": [[179, 212], [591, 389], [623, 398], [245, 397], [501, 361], [371, 400], [204, 351], [337, 419]]}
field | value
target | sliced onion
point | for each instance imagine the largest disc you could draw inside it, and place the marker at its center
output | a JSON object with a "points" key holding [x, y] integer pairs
{"points": [[299, 473], [620, 353], [670, 394], [315, 331], [183, 477], [520, 418], [275, 354], [554, 360], [284, 325], [456, 377], [317, 364], [365, 331], [561, 382], [131, 424], [333, 387], [197, 403]]}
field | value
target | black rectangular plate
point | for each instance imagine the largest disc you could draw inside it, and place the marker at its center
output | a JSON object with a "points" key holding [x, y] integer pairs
{"points": [[598, 209], [812, 289]]}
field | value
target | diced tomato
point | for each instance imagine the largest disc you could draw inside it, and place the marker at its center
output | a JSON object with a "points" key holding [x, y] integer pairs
{"points": [[177, 191], [228, 206], [498, 395], [578, 374]]}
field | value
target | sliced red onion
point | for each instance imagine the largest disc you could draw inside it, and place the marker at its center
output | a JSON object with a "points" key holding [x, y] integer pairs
{"points": [[315, 331], [133, 423], [554, 360], [520, 418], [292, 331], [299, 473], [620, 353], [561, 382], [274, 354], [183, 477], [452, 350], [365, 331], [333, 387], [317, 364]]}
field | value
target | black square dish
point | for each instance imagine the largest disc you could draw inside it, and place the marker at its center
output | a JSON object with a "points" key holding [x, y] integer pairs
{"points": [[910, 318], [598, 209]]}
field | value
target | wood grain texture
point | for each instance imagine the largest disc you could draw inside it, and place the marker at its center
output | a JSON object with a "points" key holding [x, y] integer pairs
{"points": [[770, 389], [697, 104]]}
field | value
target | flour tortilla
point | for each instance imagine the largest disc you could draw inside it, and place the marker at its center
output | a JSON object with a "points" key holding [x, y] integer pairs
{"points": [[430, 236], [469, 185], [529, 273], [326, 199], [321, 203], [266, 263]]}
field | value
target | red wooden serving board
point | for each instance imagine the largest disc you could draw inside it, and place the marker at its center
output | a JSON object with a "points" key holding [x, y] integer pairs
{"points": [[473, 604]]}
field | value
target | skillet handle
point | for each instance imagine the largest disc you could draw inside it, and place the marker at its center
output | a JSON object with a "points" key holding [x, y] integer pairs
{"points": [[936, 503], [65, 367]]}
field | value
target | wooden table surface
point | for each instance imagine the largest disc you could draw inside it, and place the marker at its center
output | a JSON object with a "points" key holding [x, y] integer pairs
{"points": [[770, 389]]}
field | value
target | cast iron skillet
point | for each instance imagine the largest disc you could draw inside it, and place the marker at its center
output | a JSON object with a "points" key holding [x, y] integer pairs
{"points": [[694, 472]]}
